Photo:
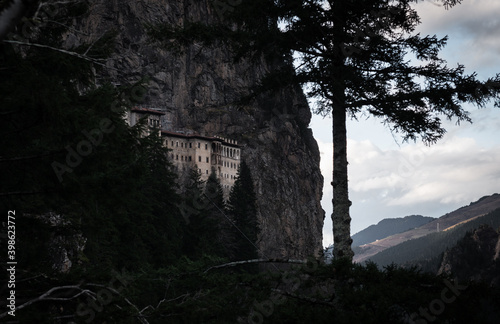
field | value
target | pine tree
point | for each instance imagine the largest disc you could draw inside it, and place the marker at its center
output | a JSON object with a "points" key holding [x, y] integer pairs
{"points": [[243, 209]]}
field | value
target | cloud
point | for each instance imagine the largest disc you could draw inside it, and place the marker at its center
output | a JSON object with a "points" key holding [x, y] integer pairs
{"points": [[455, 170], [412, 179], [472, 26]]}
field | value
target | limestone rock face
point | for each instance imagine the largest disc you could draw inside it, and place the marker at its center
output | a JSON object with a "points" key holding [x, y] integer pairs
{"points": [[197, 89]]}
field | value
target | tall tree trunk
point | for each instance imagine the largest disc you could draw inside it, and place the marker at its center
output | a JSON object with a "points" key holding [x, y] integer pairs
{"points": [[341, 203]]}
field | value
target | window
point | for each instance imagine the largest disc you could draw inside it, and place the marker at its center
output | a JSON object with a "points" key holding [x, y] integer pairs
{"points": [[206, 147], [199, 159], [172, 143], [182, 144], [189, 159], [182, 157], [207, 159], [176, 144], [177, 157], [190, 145], [198, 144], [207, 171]]}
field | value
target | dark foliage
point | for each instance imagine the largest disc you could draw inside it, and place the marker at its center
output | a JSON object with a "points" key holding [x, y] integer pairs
{"points": [[243, 210]]}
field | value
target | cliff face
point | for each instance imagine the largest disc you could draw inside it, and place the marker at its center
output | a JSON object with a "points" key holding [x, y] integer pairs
{"points": [[197, 89], [475, 257]]}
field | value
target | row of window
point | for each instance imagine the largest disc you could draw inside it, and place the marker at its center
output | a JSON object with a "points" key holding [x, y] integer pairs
{"points": [[154, 122], [226, 152], [207, 160], [230, 165], [183, 158], [185, 145], [230, 152]]}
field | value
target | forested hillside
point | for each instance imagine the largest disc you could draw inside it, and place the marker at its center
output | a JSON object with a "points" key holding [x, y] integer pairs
{"points": [[387, 227], [429, 248]]}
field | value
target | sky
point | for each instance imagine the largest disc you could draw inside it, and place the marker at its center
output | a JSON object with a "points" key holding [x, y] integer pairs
{"points": [[389, 178]]}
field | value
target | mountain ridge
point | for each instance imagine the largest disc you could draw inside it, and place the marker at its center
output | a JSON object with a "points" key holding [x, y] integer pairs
{"points": [[387, 227], [482, 206]]}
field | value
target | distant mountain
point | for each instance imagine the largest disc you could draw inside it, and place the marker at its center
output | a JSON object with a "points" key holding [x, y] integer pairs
{"points": [[462, 215], [388, 227], [427, 251]]}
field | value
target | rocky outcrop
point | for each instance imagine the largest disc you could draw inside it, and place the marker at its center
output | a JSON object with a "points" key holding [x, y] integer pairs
{"points": [[475, 257], [197, 89]]}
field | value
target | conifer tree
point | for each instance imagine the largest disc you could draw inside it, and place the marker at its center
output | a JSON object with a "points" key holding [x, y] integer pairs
{"points": [[243, 210], [216, 214]]}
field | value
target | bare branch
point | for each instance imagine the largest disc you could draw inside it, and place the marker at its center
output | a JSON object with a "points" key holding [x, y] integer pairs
{"points": [[232, 264], [83, 57], [139, 313], [47, 296]]}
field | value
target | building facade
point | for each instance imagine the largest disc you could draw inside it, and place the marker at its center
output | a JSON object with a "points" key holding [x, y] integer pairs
{"points": [[206, 154], [152, 118], [190, 151]]}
